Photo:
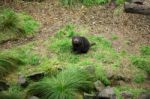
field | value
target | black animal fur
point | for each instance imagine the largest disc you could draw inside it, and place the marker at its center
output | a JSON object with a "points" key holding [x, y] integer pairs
{"points": [[81, 44]]}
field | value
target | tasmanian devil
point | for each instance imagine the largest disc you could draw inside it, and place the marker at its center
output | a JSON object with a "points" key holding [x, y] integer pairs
{"points": [[80, 44]]}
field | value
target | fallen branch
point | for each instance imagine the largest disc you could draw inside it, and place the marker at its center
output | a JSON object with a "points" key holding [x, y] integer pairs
{"points": [[136, 8]]}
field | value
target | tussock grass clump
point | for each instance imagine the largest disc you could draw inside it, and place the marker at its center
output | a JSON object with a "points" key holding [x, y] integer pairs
{"points": [[101, 75], [14, 92], [14, 25], [17, 22], [24, 54], [64, 86], [7, 64]]}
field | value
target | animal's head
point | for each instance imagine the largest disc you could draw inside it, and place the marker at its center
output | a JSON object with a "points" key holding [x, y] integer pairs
{"points": [[76, 40]]}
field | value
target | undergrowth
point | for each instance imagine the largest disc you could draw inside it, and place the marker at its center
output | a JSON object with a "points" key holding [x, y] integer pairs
{"points": [[135, 91], [64, 86], [14, 25], [142, 61], [85, 2]]}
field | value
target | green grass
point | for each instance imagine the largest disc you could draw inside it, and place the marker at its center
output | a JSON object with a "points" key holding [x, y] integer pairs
{"points": [[142, 61], [14, 25], [14, 92], [64, 86], [8, 64], [84, 2], [24, 54], [145, 50], [56, 53], [139, 78], [134, 91]]}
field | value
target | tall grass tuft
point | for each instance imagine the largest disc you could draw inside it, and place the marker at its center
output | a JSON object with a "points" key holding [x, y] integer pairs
{"points": [[16, 23], [64, 86], [7, 64], [14, 92]]}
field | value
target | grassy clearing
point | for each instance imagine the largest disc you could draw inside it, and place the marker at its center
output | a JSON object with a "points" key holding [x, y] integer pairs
{"points": [[14, 25], [63, 67]]}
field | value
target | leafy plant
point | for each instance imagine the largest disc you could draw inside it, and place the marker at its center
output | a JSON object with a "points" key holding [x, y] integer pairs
{"points": [[64, 86]]}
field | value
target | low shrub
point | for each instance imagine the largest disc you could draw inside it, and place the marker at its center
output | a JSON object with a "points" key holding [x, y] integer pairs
{"points": [[64, 86], [14, 25]]}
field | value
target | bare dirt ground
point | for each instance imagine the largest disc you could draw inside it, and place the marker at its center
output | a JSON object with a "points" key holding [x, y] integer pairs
{"points": [[131, 30]]}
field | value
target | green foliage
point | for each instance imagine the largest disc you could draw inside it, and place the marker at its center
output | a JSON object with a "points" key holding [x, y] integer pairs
{"points": [[14, 92], [142, 63], [134, 91], [64, 86], [8, 19], [145, 50], [85, 2], [90, 2], [118, 2], [14, 25], [7, 64], [67, 31], [139, 78], [101, 75], [24, 54]]}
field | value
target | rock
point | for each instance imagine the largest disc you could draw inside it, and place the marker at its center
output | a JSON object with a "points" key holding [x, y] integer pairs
{"points": [[144, 96], [22, 81], [89, 96], [36, 76], [3, 86], [107, 93], [118, 79], [33, 97], [127, 95], [98, 85]]}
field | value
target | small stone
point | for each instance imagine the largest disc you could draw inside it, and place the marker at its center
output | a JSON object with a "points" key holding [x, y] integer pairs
{"points": [[127, 95], [89, 96], [36, 76], [3, 86], [98, 85], [144, 96], [107, 93], [22, 81]]}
